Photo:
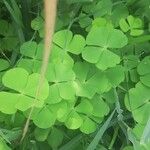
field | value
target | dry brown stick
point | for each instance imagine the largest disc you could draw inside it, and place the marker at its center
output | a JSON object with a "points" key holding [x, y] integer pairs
{"points": [[50, 15]]}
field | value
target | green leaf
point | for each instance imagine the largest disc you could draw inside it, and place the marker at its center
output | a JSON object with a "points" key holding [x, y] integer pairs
{"points": [[142, 70], [115, 75], [146, 80], [137, 96], [55, 138], [60, 73], [82, 87], [74, 121], [60, 56], [132, 24], [138, 102], [62, 38], [77, 1], [136, 144], [109, 96], [102, 8], [4, 64], [62, 77], [81, 70], [3, 145], [54, 95], [128, 148], [77, 44], [84, 107], [29, 49], [140, 112], [100, 108], [4, 27], [119, 11], [101, 22], [143, 66], [66, 90], [44, 118], [103, 38], [25, 85], [136, 32], [106, 38], [68, 42], [60, 110], [8, 43], [124, 25], [107, 59], [33, 54], [37, 23], [134, 75], [92, 54], [88, 126], [41, 134], [131, 62], [89, 80], [10, 75], [8, 106], [98, 81], [85, 20], [146, 133]]}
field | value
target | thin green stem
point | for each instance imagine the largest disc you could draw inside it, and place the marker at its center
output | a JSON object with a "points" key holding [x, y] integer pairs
{"points": [[5, 56], [121, 123], [118, 108], [114, 138], [140, 39]]}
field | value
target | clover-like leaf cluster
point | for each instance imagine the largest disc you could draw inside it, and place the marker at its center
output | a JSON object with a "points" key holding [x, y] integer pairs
{"points": [[132, 24], [73, 88], [99, 62], [22, 92]]}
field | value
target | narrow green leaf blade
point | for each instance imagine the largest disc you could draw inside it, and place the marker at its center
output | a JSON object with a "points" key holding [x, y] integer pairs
{"points": [[100, 133], [146, 133]]}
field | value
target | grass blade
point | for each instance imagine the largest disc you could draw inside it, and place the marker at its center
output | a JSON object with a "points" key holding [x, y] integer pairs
{"points": [[16, 9], [100, 133], [13, 13], [4, 137], [146, 133], [133, 139], [140, 39], [72, 143], [17, 18]]}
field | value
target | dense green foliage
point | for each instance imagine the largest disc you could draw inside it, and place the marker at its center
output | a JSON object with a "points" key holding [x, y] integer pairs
{"points": [[96, 91]]}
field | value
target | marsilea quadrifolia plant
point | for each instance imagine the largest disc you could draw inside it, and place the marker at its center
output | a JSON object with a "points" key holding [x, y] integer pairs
{"points": [[97, 78]]}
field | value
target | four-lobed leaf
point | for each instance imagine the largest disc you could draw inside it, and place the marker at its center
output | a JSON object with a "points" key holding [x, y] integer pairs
{"points": [[44, 117], [138, 102], [33, 53], [90, 80], [143, 70], [61, 76], [132, 24], [22, 91], [68, 42], [99, 42], [87, 114], [8, 38]]}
